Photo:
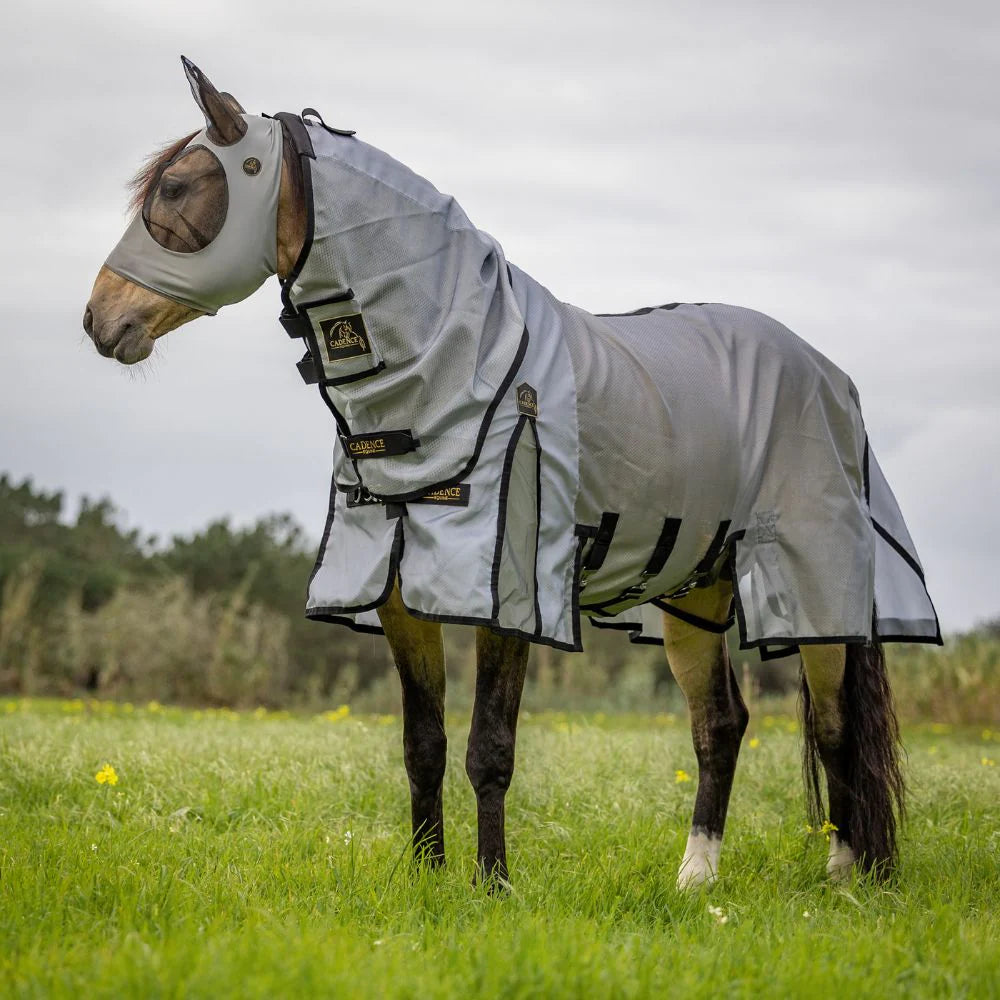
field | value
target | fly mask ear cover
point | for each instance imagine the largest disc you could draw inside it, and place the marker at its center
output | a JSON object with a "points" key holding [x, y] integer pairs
{"points": [[242, 255]]}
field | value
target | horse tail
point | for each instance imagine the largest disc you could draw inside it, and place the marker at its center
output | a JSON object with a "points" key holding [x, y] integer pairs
{"points": [[870, 756]]}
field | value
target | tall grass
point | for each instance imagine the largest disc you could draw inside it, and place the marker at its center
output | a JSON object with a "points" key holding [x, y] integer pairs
{"points": [[256, 855], [959, 682]]}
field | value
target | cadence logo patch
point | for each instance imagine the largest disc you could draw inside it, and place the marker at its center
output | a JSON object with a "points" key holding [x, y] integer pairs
{"points": [[527, 400], [345, 337], [366, 447], [450, 496], [380, 444]]}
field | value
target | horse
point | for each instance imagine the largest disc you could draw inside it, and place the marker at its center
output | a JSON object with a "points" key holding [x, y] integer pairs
{"points": [[229, 206]]}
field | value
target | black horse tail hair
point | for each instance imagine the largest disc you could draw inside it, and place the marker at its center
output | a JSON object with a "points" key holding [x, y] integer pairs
{"points": [[871, 752]]}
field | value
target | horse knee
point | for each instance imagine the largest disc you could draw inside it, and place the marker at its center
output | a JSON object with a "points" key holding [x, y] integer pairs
{"points": [[489, 764], [424, 755]]}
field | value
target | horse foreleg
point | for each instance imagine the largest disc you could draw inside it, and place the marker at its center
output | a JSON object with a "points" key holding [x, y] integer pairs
{"points": [[418, 651], [489, 763], [699, 661]]}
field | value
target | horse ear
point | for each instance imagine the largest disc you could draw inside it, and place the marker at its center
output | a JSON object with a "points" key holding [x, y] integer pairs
{"points": [[222, 112]]}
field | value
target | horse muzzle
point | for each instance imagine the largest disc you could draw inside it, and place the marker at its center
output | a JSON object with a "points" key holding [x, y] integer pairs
{"points": [[118, 337]]}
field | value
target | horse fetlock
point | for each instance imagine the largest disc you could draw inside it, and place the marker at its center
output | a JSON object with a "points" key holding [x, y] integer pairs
{"points": [[840, 860], [700, 867]]}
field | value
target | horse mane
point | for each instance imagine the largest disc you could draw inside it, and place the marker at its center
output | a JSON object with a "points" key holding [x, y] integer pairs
{"points": [[141, 183], [143, 180]]}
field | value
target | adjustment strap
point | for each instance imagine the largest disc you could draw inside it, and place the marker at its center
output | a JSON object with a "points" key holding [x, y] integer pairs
{"points": [[381, 444], [312, 112], [296, 324], [602, 542], [703, 623], [664, 546], [714, 550], [307, 369], [451, 496]]}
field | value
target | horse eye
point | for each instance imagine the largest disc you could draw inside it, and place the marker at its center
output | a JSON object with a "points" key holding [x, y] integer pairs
{"points": [[171, 188]]}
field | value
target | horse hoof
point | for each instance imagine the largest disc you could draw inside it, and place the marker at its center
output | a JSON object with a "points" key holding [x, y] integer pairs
{"points": [[691, 877], [496, 881]]}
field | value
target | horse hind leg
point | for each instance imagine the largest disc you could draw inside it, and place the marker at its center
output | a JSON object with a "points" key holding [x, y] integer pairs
{"points": [[699, 661], [851, 728], [489, 763], [418, 652]]}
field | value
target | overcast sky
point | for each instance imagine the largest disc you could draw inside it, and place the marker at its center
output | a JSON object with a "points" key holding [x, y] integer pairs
{"points": [[834, 165]]}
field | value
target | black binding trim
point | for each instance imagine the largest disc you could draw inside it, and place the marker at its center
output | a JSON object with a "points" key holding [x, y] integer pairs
{"points": [[644, 311], [929, 640], [326, 534], [307, 191], [538, 523], [777, 653], [505, 472], [329, 613], [865, 473], [901, 552]]}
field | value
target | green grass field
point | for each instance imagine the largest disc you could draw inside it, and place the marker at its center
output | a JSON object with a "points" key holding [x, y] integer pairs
{"points": [[264, 855]]}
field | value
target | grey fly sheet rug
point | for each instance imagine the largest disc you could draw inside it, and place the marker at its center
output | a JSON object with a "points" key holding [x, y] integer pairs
{"points": [[519, 463]]}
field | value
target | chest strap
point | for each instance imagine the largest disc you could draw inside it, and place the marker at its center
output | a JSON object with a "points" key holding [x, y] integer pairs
{"points": [[381, 444]]}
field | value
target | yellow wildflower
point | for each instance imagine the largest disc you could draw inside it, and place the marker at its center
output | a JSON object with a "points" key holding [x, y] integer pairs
{"points": [[680, 776], [988, 762], [106, 776], [754, 743], [335, 715]]}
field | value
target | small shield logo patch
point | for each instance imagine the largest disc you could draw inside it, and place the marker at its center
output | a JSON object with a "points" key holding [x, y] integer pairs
{"points": [[251, 166], [527, 400]]}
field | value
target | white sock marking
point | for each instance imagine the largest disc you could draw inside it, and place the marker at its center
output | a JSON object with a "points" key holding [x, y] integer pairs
{"points": [[701, 861], [839, 860]]}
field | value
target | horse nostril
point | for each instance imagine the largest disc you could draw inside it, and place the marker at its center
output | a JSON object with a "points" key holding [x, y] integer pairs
{"points": [[88, 321]]}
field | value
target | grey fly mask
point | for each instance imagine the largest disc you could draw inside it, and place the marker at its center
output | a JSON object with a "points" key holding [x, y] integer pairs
{"points": [[237, 260]]}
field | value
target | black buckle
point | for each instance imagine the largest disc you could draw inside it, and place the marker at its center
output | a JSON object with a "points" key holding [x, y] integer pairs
{"points": [[360, 497], [307, 369], [296, 324]]}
